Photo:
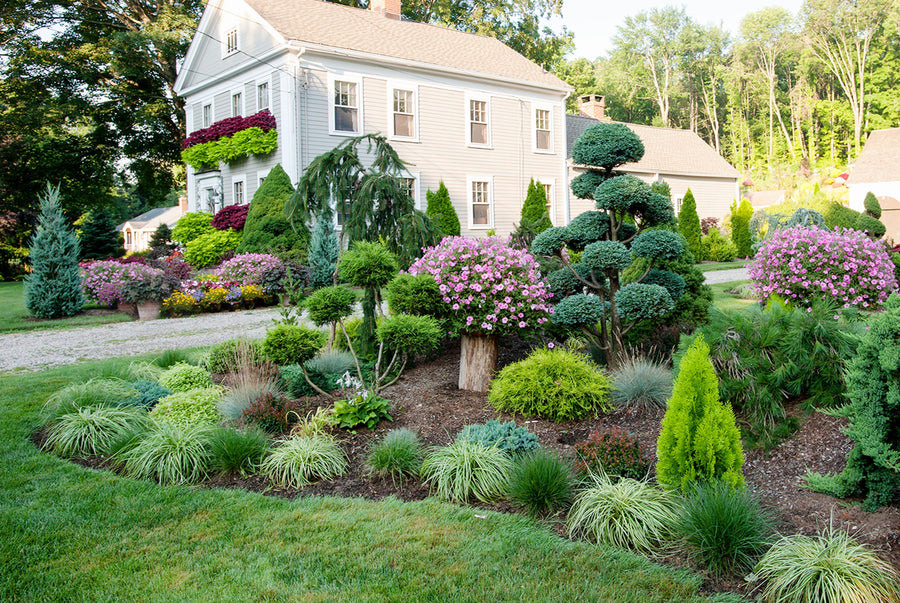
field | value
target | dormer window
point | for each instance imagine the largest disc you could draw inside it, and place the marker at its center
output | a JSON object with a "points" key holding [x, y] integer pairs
{"points": [[231, 41]]}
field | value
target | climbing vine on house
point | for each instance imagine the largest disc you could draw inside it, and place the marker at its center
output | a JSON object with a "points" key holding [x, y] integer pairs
{"points": [[231, 139]]}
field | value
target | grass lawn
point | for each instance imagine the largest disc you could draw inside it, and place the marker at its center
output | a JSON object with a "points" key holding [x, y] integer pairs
{"points": [[712, 267], [729, 301], [13, 314], [68, 533]]}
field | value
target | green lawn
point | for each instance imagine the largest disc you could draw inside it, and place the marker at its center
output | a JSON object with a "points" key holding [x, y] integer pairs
{"points": [[729, 301], [723, 265], [68, 533], [13, 314]]}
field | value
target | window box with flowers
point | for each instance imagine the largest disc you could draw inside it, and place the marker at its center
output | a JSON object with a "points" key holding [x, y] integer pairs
{"points": [[230, 139]]}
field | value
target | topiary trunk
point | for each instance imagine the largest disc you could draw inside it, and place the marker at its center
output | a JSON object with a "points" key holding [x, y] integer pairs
{"points": [[477, 362]]}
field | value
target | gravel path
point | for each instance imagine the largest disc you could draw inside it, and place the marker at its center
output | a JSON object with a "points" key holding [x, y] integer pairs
{"points": [[726, 276], [38, 350]]}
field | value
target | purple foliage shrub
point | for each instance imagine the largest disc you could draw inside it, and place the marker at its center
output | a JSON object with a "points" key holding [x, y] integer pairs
{"points": [[263, 120], [487, 286], [232, 216], [707, 223], [803, 265]]}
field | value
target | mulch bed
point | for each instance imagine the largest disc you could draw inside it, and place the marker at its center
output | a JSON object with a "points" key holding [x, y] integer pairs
{"points": [[428, 401]]}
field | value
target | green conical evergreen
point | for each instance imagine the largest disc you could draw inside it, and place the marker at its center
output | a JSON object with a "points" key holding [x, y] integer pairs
{"points": [[441, 211], [699, 440], [323, 254], [267, 230], [689, 224], [99, 237], [872, 206], [740, 228], [534, 210], [270, 197], [53, 289]]}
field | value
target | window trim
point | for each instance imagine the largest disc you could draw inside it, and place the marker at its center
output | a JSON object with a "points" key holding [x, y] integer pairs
{"points": [[212, 113], [470, 204], [467, 114], [551, 201], [237, 41], [535, 107], [353, 79], [260, 176], [242, 179], [409, 87], [417, 188], [259, 86], [240, 94]]}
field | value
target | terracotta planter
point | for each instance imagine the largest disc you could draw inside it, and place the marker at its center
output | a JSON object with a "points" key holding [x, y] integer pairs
{"points": [[148, 310], [129, 309]]}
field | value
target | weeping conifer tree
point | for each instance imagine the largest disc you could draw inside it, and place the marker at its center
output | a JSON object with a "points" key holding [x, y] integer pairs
{"points": [[53, 289]]}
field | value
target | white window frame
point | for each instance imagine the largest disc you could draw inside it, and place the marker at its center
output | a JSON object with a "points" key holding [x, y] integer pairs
{"points": [[551, 197], [242, 180], [226, 33], [240, 94], [353, 79], [467, 120], [212, 113], [535, 107], [259, 87], [416, 188], [678, 200], [408, 87], [470, 201]]}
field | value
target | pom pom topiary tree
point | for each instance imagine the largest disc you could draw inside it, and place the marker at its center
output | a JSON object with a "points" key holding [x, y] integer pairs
{"points": [[370, 266], [689, 224], [589, 293], [487, 288], [441, 211], [699, 440], [873, 386], [53, 289]]}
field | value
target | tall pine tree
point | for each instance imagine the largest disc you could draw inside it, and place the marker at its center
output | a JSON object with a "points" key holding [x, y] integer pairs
{"points": [[53, 289], [689, 224], [99, 237], [441, 211], [323, 254]]}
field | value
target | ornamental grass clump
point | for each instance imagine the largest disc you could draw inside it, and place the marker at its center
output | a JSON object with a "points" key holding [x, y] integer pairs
{"points": [[642, 384], [467, 470], [92, 429], [399, 454], [804, 265], [238, 450], [95, 392], [169, 454], [552, 384], [827, 567], [541, 482], [298, 461]]}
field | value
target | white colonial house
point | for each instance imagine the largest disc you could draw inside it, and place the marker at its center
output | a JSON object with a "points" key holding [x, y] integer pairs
{"points": [[137, 232], [678, 157], [877, 170], [457, 107]]}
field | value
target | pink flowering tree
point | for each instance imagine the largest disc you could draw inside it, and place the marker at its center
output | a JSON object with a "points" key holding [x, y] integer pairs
{"points": [[488, 289], [803, 265]]}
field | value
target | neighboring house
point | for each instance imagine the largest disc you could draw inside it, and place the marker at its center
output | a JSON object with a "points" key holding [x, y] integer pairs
{"points": [[456, 106], [763, 199], [877, 170], [679, 157], [138, 230]]}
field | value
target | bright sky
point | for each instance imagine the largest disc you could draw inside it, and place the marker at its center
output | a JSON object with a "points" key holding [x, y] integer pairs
{"points": [[595, 22]]}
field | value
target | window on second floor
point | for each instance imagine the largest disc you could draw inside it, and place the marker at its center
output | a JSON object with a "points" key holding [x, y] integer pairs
{"points": [[479, 124], [346, 106], [237, 104], [231, 41], [409, 185], [262, 96], [207, 116], [543, 130], [238, 192], [404, 113]]}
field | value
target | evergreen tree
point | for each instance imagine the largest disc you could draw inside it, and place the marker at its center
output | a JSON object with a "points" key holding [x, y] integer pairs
{"points": [[441, 211], [53, 289], [99, 237], [689, 224], [699, 440], [534, 210], [267, 230], [740, 228], [872, 206], [323, 254], [161, 241]]}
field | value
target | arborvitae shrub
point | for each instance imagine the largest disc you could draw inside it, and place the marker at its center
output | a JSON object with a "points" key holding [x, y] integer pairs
{"points": [[689, 223], [99, 237], [53, 289], [269, 198], [323, 254], [534, 210], [717, 248], [699, 440], [740, 228], [873, 386], [441, 211], [872, 206]]}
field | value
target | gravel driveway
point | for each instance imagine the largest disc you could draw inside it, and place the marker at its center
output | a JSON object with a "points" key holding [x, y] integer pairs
{"points": [[38, 350], [726, 276]]}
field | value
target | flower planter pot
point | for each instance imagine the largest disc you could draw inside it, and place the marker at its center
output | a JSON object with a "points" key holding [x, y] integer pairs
{"points": [[148, 310], [129, 309]]}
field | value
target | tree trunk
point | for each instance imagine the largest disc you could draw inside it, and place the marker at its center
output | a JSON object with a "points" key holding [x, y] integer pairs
{"points": [[477, 361]]}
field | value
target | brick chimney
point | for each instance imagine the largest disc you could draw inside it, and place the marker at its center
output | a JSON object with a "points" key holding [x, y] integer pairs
{"points": [[388, 8], [592, 105], [183, 204]]}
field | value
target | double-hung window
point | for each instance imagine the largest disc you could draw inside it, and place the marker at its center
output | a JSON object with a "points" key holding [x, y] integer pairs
{"points": [[479, 122], [543, 129], [410, 187], [238, 189], [206, 117], [262, 96], [237, 104], [481, 214], [346, 106], [404, 113]]}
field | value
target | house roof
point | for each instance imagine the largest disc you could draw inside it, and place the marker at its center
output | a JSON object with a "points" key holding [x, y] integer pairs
{"points": [[880, 158], [154, 217], [765, 198], [666, 150], [344, 27]]}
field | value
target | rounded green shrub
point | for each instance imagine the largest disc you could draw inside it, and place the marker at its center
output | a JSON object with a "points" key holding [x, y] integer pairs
{"points": [[192, 225], [506, 436], [292, 344], [658, 245], [409, 334], [414, 294], [872, 206], [552, 384], [190, 408], [368, 265], [465, 470], [329, 304], [717, 248], [579, 309], [639, 301], [208, 249], [184, 377], [541, 482], [607, 143]]}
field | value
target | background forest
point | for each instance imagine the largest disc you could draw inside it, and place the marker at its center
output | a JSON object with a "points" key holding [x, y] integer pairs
{"points": [[87, 101]]}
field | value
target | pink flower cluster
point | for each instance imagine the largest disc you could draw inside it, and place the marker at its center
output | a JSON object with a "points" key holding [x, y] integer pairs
{"points": [[247, 268], [487, 286], [264, 120], [803, 265], [103, 280]]}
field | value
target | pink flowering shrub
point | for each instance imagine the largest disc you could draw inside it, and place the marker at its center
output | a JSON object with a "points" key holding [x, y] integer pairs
{"points": [[803, 265], [102, 280], [248, 268], [487, 286]]}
